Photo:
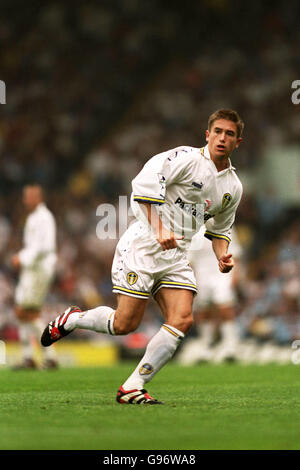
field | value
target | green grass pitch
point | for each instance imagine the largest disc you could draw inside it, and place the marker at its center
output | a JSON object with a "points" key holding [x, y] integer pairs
{"points": [[206, 407]]}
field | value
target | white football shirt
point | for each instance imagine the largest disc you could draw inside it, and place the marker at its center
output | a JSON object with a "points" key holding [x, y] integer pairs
{"points": [[39, 239], [187, 190]]}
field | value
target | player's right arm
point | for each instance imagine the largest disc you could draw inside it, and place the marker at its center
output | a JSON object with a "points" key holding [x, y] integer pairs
{"points": [[150, 186], [165, 237]]}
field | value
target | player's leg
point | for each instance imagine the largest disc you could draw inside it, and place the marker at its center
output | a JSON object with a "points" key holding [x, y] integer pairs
{"points": [[125, 319], [49, 355], [174, 290], [224, 305], [103, 319], [198, 348], [133, 289], [25, 338], [23, 313], [227, 349], [205, 315], [121, 321], [176, 306], [206, 324], [30, 330], [30, 296]]}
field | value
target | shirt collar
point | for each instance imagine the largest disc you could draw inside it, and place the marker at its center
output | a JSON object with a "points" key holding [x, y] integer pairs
{"points": [[39, 207], [206, 154]]}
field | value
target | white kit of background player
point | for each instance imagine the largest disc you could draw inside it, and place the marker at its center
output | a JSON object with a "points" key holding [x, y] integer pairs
{"points": [[214, 305], [36, 262], [151, 259]]}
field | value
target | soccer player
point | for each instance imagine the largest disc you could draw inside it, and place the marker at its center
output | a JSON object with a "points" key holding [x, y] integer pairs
{"points": [[173, 195], [214, 305], [36, 263]]}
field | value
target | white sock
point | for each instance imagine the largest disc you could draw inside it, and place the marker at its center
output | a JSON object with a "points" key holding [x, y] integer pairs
{"points": [[37, 328], [207, 330], [160, 349], [229, 333], [100, 319], [25, 339]]}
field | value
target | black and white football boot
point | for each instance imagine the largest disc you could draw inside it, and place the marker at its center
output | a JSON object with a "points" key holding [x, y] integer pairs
{"points": [[136, 397], [55, 329]]}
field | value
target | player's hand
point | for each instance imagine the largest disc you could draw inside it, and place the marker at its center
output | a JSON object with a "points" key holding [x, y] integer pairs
{"points": [[167, 239], [15, 261], [226, 263]]}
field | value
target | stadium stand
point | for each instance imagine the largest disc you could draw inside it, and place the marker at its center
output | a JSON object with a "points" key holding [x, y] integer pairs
{"points": [[95, 90]]}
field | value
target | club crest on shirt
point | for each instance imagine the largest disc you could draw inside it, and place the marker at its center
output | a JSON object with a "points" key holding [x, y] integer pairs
{"points": [[132, 278], [146, 369], [226, 200]]}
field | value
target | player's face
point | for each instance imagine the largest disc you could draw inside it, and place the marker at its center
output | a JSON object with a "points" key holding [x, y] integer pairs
{"points": [[31, 197], [222, 138]]}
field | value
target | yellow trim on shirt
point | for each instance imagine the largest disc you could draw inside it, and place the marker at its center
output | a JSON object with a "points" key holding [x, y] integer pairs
{"points": [[211, 235], [148, 199]]}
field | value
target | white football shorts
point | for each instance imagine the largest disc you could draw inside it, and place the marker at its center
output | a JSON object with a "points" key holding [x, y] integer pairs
{"points": [[214, 287], [140, 266], [32, 288]]}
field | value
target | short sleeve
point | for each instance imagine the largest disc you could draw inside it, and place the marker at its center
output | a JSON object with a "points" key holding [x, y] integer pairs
{"points": [[220, 225], [157, 174]]}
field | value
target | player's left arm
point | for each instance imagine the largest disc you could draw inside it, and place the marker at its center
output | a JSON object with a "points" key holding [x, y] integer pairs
{"points": [[218, 230], [225, 259]]}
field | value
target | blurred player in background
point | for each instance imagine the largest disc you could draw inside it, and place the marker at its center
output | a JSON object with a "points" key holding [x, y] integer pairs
{"points": [[36, 265], [173, 195], [214, 306]]}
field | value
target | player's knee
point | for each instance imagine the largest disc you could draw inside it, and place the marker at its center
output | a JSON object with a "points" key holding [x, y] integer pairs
{"points": [[187, 323], [128, 317], [124, 327], [182, 322]]}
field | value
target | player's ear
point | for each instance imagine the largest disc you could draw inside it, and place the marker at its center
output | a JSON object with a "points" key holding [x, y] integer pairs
{"points": [[238, 141], [206, 135]]}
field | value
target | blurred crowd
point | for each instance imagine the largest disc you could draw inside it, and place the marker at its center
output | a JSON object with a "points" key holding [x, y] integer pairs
{"points": [[270, 304], [71, 72], [95, 90]]}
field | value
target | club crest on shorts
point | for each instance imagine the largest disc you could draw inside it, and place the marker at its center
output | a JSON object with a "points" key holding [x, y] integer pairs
{"points": [[226, 200], [132, 278], [146, 369]]}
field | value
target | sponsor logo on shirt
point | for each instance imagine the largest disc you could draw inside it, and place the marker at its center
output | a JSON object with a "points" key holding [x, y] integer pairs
{"points": [[196, 210], [198, 185]]}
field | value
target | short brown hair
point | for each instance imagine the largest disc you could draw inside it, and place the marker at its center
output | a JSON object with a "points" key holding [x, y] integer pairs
{"points": [[229, 115]]}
